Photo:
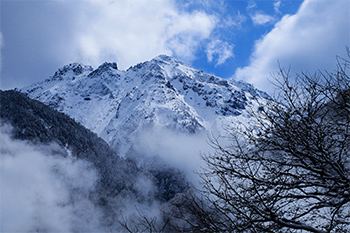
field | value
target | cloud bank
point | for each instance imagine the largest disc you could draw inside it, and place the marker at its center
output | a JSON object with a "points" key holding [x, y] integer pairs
{"points": [[41, 36], [309, 41], [134, 31], [49, 33]]}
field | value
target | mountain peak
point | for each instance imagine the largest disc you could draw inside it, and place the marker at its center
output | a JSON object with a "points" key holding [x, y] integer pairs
{"points": [[166, 59], [74, 68], [163, 92], [107, 65]]}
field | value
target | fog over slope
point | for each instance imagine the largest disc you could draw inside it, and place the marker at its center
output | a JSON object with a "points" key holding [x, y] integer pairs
{"points": [[44, 191], [58, 176]]}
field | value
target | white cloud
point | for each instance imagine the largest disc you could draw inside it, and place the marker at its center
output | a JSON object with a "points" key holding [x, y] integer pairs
{"points": [[236, 21], [221, 50], [134, 31], [251, 5], [276, 6], [261, 19], [308, 41], [165, 144]]}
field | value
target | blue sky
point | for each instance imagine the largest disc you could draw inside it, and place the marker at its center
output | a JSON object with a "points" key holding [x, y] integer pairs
{"points": [[241, 39]]}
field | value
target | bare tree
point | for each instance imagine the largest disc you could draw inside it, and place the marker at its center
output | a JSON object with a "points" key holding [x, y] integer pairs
{"points": [[142, 223], [290, 171]]}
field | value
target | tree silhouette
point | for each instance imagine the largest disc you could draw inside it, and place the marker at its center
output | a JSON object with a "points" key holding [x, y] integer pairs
{"points": [[289, 171]]}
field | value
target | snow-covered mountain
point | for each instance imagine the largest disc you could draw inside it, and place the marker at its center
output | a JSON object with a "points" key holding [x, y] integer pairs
{"points": [[164, 93]]}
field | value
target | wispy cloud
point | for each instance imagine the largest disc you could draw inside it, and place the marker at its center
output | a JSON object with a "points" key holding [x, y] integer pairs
{"points": [[276, 6], [251, 5], [219, 50], [235, 21], [261, 19]]}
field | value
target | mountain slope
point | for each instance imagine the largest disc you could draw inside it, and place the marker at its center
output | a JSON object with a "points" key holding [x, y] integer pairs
{"points": [[68, 178], [163, 92], [34, 121]]}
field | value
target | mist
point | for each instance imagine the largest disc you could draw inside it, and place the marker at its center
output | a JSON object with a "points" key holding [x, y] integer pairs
{"points": [[45, 189], [176, 149]]}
